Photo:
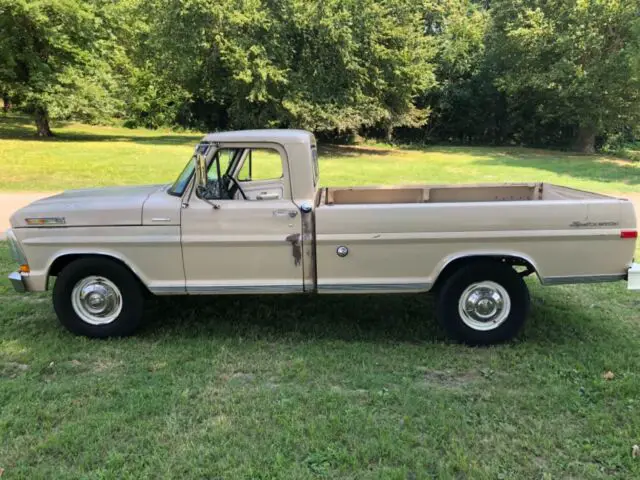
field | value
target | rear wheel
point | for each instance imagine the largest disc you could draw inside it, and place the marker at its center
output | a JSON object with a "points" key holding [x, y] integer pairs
{"points": [[98, 297], [483, 303]]}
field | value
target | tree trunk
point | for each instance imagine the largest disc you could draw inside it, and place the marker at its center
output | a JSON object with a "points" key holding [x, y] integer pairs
{"points": [[42, 123], [388, 134], [6, 102], [586, 140]]}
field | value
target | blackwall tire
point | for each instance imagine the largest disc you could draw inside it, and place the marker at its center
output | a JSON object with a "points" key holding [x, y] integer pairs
{"points": [[483, 303], [98, 297]]}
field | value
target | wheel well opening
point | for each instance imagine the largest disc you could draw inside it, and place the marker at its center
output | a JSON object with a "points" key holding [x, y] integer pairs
{"points": [[61, 262], [522, 266]]}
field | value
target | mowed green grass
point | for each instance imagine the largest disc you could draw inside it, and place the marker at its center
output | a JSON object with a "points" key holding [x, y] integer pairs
{"points": [[321, 387], [86, 156], [294, 387]]}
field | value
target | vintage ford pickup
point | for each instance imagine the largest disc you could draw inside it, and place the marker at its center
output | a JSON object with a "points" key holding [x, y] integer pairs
{"points": [[247, 216]]}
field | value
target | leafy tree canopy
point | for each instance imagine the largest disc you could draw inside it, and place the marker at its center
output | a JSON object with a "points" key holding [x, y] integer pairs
{"points": [[54, 57], [537, 72], [330, 65], [578, 59]]}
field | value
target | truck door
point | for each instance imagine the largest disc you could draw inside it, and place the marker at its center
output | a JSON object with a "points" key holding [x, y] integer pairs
{"points": [[241, 234]]}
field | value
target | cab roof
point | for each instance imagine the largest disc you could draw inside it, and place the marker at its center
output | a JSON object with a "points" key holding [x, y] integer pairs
{"points": [[281, 136]]}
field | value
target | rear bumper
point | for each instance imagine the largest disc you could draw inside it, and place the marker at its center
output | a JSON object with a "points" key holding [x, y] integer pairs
{"points": [[18, 282], [633, 282]]}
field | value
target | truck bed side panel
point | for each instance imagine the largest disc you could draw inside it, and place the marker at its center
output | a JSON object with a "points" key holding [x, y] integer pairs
{"points": [[403, 247]]}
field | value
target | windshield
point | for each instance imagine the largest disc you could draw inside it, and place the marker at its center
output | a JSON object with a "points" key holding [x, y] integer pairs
{"points": [[182, 181], [179, 186]]}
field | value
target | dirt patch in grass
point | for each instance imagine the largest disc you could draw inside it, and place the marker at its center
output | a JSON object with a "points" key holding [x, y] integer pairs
{"points": [[616, 161], [12, 369], [104, 365], [358, 150]]}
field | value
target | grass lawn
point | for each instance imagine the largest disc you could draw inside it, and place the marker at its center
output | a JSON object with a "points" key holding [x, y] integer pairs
{"points": [[86, 156], [317, 387]]}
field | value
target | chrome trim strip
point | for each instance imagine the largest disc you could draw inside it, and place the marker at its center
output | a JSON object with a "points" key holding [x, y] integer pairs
{"points": [[243, 289], [583, 279], [168, 290], [17, 282], [368, 287], [256, 289], [465, 236]]}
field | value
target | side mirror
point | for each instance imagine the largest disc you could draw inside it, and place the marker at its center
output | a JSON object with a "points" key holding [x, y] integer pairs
{"points": [[200, 169]]}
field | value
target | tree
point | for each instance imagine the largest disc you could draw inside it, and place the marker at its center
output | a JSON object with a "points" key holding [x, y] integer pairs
{"points": [[54, 55], [577, 60], [464, 100], [333, 65]]}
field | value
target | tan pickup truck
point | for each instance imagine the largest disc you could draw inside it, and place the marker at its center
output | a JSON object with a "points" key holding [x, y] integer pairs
{"points": [[247, 216]]}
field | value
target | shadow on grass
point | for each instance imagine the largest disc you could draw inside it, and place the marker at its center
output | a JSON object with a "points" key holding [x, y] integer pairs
{"points": [[21, 127], [14, 127], [557, 323], [594, 168], [332, 150], [598, 168], [406, 318], [364, 318], [582, 167], [155, 140]]}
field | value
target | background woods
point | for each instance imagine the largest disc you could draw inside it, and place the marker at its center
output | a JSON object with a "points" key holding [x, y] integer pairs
{"points": [[538, 72]]}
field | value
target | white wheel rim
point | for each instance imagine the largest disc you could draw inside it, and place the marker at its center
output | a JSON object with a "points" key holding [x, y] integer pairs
{"points": [[484, 306], [96, 300]]}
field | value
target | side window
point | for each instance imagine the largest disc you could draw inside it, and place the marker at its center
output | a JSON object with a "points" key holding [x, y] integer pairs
{"points": [[222, 159], [261, 164], [216, 188]]}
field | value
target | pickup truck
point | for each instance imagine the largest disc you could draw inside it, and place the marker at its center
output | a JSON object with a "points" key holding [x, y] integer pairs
{"points": [[247, 215]]}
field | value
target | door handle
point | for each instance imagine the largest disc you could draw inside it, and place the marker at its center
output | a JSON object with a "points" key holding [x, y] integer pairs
{"points": [[267, 196]]}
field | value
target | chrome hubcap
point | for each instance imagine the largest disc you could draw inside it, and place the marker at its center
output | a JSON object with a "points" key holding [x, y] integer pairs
{"points": [[484, 305], [96, 300]]}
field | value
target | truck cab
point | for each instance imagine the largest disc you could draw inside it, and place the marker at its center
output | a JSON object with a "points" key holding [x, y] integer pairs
{"points": [[245, 195]]}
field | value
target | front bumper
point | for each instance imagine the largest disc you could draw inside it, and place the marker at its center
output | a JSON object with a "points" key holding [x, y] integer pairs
{"points": [[19, 285], [633, 282]]}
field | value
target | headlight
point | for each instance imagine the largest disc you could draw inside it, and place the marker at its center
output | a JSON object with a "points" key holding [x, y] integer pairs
{"points": [[14, 246]]}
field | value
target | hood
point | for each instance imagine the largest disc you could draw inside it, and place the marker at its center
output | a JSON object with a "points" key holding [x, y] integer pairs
{"points": [[90, 207]]}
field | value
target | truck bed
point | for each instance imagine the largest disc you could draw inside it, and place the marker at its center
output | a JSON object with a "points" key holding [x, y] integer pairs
{"points": [[451, 194], [402, 236]]}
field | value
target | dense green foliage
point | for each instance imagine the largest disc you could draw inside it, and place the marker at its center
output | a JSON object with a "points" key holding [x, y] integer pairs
{"points": [[56, 59], [334, 65], [557, 72], [577, 62]]}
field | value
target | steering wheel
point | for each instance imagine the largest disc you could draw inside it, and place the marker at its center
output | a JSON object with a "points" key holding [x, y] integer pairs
{"points": [[236, 185]]}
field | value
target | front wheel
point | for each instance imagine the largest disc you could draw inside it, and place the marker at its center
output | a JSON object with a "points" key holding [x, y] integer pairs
{"points": [[98, 297], [483, 303]]}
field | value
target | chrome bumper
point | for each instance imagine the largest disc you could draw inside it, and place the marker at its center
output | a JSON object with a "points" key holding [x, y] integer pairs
{"points": [[633, 282], [17, 281]]}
